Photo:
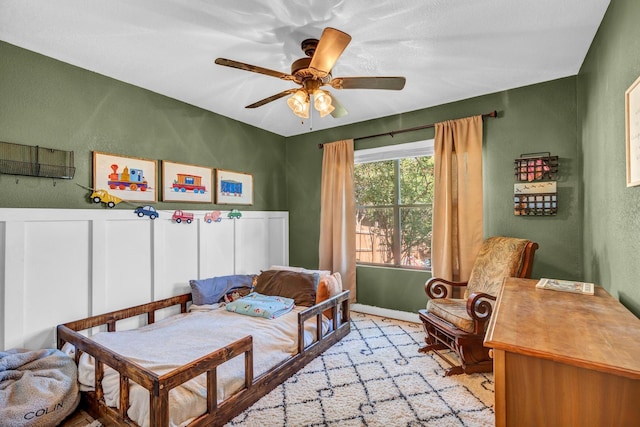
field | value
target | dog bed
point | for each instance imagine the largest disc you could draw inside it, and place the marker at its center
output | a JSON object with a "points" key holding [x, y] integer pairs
{"points": [[37, 387]]}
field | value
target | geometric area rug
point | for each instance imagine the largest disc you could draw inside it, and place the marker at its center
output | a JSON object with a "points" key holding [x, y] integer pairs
{"points": [[375, 377]]}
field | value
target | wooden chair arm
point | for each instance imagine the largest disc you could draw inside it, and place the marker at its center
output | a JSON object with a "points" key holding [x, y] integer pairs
{"points": [[480, 309], [435, 287]]}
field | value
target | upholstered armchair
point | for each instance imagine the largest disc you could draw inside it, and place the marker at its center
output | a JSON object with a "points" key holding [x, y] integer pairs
{"points": [[460, 324]]}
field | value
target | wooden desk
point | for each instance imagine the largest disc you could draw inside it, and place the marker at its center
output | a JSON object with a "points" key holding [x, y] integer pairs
{"points": [[563, 359]]}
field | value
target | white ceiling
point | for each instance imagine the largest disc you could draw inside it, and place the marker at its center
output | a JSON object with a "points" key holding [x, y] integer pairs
{"points": [[447, 49]]}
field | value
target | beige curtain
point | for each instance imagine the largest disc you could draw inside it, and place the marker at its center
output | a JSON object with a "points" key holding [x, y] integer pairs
{"points": [[457, 214], [338, 214]]}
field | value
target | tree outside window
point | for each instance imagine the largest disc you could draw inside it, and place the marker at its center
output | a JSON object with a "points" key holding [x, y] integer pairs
{"points": [[393, 212]]}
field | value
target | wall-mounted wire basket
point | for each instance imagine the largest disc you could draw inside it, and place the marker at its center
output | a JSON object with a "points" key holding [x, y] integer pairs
{"points": [[27, 160], [535, 204], [536, 167], [535, 198]]}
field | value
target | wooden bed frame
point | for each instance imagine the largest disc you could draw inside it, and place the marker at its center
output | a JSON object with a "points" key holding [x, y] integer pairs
{"points": [[160, 385]]}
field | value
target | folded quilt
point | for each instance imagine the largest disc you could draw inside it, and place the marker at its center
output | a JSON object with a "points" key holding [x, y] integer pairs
{"points": [[258, 305]]}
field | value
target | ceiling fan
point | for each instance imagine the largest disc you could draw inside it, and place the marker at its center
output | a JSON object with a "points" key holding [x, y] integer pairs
{"points": [[313, 72]]}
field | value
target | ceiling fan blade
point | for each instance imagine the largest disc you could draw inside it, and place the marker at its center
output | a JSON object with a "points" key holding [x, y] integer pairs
{"points": [[390, 83], [253, 68], [271, 98], [339, 110], [331, 45]]}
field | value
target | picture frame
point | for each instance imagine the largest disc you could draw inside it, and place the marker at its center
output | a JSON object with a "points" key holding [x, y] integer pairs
{"points": [[632, 131], [128, 178], [182, 182], [233, 188]]}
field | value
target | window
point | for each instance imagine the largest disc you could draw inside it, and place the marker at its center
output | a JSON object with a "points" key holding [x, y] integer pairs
{"points": [[394, 196]]}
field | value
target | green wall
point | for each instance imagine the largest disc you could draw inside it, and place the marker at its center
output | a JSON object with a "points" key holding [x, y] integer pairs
{"points": [[391, 288], [52, 104], [536, 118], [611, 219]]}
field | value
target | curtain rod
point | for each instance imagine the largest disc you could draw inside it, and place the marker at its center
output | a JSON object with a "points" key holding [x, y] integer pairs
{"points": [[494, 113]]}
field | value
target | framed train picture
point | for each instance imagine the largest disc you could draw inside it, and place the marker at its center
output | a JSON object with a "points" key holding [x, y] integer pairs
{"points": [[129, 178], [233, 188], [186, 183]]}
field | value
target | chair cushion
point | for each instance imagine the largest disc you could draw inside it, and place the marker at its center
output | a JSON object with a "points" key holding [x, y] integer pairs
{"points": [[499, 257], [453, 311]]}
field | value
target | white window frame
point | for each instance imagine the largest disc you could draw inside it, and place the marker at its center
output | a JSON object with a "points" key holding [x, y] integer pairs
{"points": [[422, 148]]}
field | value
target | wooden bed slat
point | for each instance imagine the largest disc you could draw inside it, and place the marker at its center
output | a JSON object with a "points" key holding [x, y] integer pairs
{"points": [[98, 375], [124, 396], [212, 398]]}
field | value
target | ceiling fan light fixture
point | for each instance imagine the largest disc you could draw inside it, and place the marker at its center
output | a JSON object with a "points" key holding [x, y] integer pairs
{"points": [[322, 102], [313, 72], [299, 103]]}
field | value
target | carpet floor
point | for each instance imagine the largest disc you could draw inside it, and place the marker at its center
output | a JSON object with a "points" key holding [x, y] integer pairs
{"points": [[376, 377]]}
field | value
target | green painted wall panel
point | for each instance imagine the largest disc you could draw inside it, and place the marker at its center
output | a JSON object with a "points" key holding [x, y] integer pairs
{"points": [[52, 104], [391, 288], [612, 222]]}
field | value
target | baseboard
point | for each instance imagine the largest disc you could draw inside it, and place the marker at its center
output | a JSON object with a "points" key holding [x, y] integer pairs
{"points": [[386, 312]]}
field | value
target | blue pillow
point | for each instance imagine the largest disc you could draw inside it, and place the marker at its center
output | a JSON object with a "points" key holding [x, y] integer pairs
{"points": [[211, 290]]}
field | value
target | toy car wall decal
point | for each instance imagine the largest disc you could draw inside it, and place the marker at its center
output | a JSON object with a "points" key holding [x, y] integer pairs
{"points": [[234, 214], [179, 216], [147, 210], [210, 217], [104, 197]]}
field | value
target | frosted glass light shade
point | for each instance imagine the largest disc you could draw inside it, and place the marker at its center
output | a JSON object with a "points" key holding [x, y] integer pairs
{"points": [[299, 104], [322, 102]]}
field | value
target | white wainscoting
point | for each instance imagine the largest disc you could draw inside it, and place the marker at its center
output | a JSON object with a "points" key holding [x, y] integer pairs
{"points": [[58, 265]]}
